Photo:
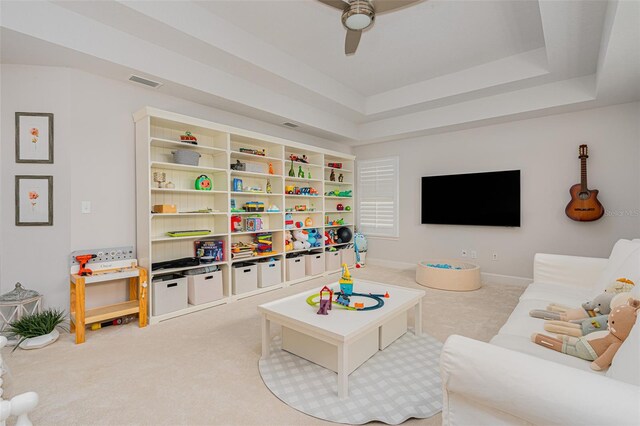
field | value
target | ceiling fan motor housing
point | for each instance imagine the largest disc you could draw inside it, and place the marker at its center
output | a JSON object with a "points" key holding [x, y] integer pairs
{"points": [[359, 15]]}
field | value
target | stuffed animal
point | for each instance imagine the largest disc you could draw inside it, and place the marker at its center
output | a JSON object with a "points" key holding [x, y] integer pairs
{"points": [[600, 305], [301, 240], [621, 285], [579, 328], [288, 241], [601, 350]]}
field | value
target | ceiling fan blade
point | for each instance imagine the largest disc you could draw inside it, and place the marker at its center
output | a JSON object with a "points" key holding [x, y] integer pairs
{"points": [[382, 6], [338, 4], [351, 41]]}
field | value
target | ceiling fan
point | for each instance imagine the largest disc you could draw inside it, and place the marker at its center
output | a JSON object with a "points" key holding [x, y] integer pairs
{"points": [[358, 15]]}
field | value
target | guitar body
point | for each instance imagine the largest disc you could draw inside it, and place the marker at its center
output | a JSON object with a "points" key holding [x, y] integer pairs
{"points": [[584, 205]]}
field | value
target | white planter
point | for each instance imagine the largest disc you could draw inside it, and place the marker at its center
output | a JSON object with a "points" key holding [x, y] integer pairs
{"points": [[40, 341]]}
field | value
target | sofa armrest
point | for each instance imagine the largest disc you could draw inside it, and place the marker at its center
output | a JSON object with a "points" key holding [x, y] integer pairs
{"points": [[571, 270], [532, 389]]}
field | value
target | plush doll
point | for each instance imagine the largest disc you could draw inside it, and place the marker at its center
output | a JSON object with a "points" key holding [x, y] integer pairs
{"points": [[621, 285], [288, 241], [301, 240], [600, 305], [601, 350], [579, 328]]}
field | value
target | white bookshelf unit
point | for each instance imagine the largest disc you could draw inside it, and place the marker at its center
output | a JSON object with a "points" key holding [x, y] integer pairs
{"points": [[219, 146]]}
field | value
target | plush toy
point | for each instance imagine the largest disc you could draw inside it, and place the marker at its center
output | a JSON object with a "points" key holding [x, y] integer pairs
{"points": [[579, 328], [288, 241], [621, 285], [301, 240], [600, 305], [601, 350]]}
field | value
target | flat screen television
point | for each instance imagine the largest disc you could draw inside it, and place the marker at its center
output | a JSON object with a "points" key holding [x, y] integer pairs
{"points": [[485, 199]]}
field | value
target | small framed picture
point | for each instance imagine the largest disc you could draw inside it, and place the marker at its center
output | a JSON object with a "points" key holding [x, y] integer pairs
{"points": [[34, 137], [34, 200]]}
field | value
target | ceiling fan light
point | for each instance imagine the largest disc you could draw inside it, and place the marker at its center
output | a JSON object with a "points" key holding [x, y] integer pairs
{"points": [[358, 21]]}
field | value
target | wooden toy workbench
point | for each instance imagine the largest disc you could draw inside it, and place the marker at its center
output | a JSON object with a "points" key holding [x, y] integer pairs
{"points": [[137, 303]]}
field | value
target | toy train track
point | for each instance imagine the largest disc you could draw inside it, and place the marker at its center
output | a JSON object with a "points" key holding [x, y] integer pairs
{"points": [[343, 301]]}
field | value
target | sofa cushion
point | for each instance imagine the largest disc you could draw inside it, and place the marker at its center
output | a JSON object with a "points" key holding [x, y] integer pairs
{"points": [[525, 345], [556, 293], [617, 265], [625, 366]]}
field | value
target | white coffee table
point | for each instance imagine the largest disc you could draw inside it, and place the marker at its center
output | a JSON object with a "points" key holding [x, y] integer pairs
{"points": [[344, 339]]}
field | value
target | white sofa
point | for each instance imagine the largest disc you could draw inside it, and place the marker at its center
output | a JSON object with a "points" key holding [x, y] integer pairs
{"points": [[514, 381]]}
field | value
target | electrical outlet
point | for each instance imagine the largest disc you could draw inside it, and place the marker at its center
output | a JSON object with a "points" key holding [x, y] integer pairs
{"points": [[463, 253], [494, 256], [85, 207], [474, 254]]}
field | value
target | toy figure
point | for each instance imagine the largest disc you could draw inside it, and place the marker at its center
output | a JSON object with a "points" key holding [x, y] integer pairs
{"points": [[346, 282], [340, 178], [300, 172], [325, 304], [269, 189], [288, 241], [271, 172], [308, 173], [600, 305], [292, 172], [332, 176], [601, 350], [301, 240], [308, 222]]}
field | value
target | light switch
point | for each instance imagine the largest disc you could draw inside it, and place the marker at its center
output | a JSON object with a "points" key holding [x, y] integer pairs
{"points": [[86, 207]]}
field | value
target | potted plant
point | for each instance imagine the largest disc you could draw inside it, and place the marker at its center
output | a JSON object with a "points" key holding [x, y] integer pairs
{"points": [[37, 330]]}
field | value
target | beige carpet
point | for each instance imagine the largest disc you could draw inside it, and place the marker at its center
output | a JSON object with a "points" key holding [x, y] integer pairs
{"points": [[202, 368]]}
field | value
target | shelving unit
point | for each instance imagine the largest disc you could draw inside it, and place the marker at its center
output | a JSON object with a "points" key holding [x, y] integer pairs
{"points": [[158, 135]]}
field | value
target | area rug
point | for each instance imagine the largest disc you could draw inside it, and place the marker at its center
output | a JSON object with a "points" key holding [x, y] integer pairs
{"points": [[401, 382]]}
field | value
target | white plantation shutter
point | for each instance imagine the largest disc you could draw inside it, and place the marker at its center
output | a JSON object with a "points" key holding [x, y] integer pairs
{"points": [[378, 196]]}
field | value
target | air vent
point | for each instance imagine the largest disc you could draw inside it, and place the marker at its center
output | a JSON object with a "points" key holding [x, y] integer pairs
{"points": [[293, 126], [146, 82]]}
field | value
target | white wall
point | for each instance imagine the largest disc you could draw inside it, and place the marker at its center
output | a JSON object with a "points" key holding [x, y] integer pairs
{"points": [[545, 149], [94, 160]]}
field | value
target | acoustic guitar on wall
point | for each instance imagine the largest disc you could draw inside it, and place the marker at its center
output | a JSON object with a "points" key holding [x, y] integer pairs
{"points": [[584, 205]]}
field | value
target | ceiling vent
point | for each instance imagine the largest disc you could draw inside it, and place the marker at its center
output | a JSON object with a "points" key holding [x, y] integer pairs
{"points": [[293, 126], [146, 82]]}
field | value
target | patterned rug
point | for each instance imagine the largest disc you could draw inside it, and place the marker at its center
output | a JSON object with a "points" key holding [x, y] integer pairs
{"points": [[401, 382]]}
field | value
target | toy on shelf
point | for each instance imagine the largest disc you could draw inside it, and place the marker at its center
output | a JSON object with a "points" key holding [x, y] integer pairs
{"points": [[265, 244], [301, 240], [299, 159], [234, 208], [340, 178], [269, 189], [300, 172], [237, 184], [203, 183], [292, 172], [253, 189], [242, 250], [339, 207], [343, 235], [189, 138], [315, 239], [301, 208], [238, 166], [335, 165], [273, 208], [259, 152], [299, 225], [288, 221], [308, 222], [288, 241], [210, 250], [325, 304], [236, 223], [253, 224], [271, 172], [159, 178], [600, 351], [254, 206], [83, 259], [308, 173], [336, 193], [332, 176], [348, 208]]}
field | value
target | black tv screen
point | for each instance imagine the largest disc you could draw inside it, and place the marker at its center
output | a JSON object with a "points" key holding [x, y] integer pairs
{"points": [[487, 199]]}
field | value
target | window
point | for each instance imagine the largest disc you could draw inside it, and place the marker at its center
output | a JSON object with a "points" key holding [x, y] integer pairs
{"points": [[378, 187]]}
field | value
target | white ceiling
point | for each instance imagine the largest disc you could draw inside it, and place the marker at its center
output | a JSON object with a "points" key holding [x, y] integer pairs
{"points": [[435, 66]]}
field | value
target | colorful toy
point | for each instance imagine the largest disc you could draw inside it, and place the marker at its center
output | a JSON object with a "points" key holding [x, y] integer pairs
{"points": [[288, 241], [339, 207], [292, 172], [332, 176], [325, 304], [600, 305], [600, 351], [269, 189], [254, 206], [237, 185], [348, 208], [271, 172], [301, 208], [83, 260], [300, 172], [288, 221], [236, 223], [265, 244], [299, 159], [314, 237], [335, 165], [203, 183], [273, 208], [213, 250], [253, 224], [299, 224], [308, 222], [301, 240], [336, 193], [189, 138], [259, 152], [340, 178]]}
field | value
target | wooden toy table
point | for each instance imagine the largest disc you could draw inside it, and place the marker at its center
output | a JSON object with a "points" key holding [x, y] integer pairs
{"points": [[137, 302]]}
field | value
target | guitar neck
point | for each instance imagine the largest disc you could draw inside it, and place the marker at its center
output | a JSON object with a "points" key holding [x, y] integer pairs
{"points": [[583, 174]]}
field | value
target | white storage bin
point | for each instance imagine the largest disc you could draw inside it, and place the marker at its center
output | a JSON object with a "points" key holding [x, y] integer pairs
{"points": [[314, 263], [348, 256], [269, 273], [205, 288], [245, 278], [332, 260], [169, 295], [295, 268]]}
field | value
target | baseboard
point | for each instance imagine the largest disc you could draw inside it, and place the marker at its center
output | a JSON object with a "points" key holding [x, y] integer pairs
{"points": [[485, 277]]}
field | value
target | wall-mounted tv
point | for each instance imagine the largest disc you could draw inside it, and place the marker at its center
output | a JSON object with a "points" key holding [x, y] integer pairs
{"points": [[486, 199]]}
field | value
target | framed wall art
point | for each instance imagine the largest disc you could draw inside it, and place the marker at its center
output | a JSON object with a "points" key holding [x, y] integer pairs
{"points": [[34, 200], [34, 137]]}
